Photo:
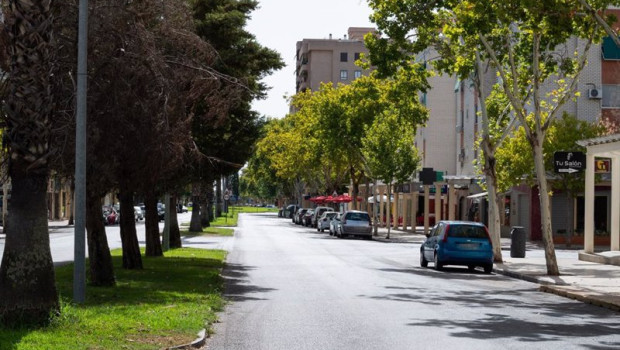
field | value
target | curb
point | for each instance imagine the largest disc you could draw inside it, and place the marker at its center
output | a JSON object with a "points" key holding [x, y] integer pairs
{"points": [[583, 296], [197, 343], [565, 290]]}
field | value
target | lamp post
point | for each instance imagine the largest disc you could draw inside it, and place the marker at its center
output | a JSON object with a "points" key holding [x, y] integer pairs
{"points": [[79, 248]]}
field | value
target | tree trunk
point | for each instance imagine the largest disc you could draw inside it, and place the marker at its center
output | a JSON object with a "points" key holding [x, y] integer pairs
{"points": [[206, 203], [218, 197], [28, 292], [490, 173], [129, 237], [72, 202], [205, 211], [195, 224], [175, 233], [151, 226], [375, 206], [493, 210], [99, 257], [389, 205], [545, 211]]}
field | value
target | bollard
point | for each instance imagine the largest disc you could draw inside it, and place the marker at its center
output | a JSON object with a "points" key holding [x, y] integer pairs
{"points": [[517, 242]]}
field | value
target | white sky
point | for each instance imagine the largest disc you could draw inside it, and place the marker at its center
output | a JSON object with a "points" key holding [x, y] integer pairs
{"points": [[279, 24]]}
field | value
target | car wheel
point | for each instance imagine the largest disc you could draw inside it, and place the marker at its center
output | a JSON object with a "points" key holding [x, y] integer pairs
{"points": [[488, 268], [438, 265], [423, 261]]}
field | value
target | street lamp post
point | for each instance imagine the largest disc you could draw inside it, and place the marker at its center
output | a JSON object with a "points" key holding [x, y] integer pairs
{"points": [[79, 249]]}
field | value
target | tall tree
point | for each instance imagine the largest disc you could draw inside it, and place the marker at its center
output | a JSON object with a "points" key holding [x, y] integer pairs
{"points": [[27, 281], [526, 42], [225, 134], [391, 156]]}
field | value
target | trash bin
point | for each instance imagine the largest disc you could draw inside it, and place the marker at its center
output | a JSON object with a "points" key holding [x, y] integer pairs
{"points": [[517, 242]]}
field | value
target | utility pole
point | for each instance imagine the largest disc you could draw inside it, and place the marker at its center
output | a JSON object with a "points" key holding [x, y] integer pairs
{"points": [[79, 248]]}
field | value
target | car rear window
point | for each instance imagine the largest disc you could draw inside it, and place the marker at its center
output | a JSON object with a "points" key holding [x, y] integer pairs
{"points": [[466, 231], [358, 217]]}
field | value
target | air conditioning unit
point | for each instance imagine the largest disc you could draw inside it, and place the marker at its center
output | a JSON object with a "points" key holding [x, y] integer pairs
{"points": [[594, 93]]}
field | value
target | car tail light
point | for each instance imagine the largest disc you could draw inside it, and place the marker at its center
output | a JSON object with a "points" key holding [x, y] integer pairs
{"points": [[487, 232], [445, 233]]}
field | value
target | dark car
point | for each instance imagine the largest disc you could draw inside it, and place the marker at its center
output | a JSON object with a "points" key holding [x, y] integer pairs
{"points": [[306, 220], [161, 211], [290, 210], [458, 243], [299, 215]]}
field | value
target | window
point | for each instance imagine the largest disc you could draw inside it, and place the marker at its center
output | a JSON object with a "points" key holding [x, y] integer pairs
{"points": [[356, 56], [611, 96], [357, 74], [610, 51], [344, 57], [344, 74]]}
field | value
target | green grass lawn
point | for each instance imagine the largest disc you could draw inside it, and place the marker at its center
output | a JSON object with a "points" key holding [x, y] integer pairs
{"points": [[164, 304], [220, 231]]}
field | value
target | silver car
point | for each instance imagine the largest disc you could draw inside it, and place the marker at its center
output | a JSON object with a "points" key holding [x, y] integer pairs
{"points": [[355, 223], [318, 211], [325, 220]]}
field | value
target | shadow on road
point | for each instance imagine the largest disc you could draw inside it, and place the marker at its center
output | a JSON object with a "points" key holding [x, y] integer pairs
{"points": [[496, 326], [237, 286]]}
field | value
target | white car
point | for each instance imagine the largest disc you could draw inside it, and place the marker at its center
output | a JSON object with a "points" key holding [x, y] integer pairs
{"points": [[138, 213], [334, 225], [325, 220]]}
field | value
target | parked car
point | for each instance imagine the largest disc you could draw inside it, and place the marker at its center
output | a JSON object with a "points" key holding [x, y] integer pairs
{"points": [[139, 214], [306, 220], [458, 243], [355, 223], [299, 214], [325, 220], [161, 211], [110, 216], [290, 210], [318, 211], [334, 225]]}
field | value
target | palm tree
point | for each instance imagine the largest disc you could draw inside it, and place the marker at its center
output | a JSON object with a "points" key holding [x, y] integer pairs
{"points": [[28, 292]]}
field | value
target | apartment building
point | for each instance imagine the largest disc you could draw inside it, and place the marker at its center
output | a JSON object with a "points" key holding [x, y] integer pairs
{"points": [[599, 99], [330, 60]]}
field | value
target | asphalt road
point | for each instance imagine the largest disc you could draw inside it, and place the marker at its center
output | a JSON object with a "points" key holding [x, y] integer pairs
{"points": [[293, 288]]}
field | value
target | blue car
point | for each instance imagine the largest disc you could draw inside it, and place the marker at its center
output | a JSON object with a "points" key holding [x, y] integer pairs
{"points": [[458, 243]]}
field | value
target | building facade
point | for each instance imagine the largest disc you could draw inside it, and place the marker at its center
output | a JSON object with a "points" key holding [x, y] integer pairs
{"points": [[330, 60]]}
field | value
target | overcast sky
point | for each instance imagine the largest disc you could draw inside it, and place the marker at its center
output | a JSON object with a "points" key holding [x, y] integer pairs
{"points": [[279, 24]]}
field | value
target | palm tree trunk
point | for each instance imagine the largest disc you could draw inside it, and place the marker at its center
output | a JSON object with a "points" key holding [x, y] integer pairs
{"points": [[28, 292], [194, 224], [27, 279], [99, 257], [153, 243], [175, 233], [132, 260]]}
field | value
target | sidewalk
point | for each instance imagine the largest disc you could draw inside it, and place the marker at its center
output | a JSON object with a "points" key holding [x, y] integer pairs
{"points": [[593, 283]]}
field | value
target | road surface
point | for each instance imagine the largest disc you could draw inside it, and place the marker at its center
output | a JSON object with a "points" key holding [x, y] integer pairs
{"points": [[291, 287]]}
